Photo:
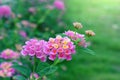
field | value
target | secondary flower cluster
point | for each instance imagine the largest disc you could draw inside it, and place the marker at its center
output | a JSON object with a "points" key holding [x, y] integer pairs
{"points": [[76, 36], [5, 11], [6, 69], [9, 54], [61, 47], [35, 47], [59, 4]]}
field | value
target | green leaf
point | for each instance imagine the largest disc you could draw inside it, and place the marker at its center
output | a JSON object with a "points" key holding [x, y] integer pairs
{"points": [[86, 50], [26, 62], [22, 70], [41, 66], [47, 70], [19, 77], [5, 78], [1, 60], [77, 41]]}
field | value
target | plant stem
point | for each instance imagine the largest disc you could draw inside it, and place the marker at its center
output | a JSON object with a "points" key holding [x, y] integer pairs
{"points": [[34, 66], [56, 62]]}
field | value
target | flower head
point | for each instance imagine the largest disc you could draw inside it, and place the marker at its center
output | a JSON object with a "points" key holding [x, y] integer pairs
{"points": [[23, 33], [9, 54], [77, 25], [35, 47], [1, 37], [35, 75], [32, 10], [50, 7], [75, 36], [59, 4], [19, 15], [60, 47], [25, 23], [90, 33], [5, 11], [6, 69]]}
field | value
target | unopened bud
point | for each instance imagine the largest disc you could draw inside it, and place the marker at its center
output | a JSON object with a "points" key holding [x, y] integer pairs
{"points": [[90, 33], [77, 25]]}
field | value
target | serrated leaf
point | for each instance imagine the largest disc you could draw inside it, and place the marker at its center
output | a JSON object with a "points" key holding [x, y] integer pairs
{"points": [[19, 77], [22, 70]]}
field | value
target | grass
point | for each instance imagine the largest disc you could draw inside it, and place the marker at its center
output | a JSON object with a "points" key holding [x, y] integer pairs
{"points": [[103, 17]]}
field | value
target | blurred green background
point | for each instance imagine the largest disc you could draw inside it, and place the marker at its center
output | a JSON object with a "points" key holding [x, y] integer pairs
{"points": [[102, 16]]}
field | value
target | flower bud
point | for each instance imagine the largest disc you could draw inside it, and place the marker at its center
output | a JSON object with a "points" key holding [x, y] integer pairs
{"points": [[19, 15], [90, 33], [77, 25]]}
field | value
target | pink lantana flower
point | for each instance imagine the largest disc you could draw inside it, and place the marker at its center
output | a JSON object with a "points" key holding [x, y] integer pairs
{"points": [[75, 36], [25, 23], [6, 69], [35, 75], [32, 10], [35, 47], [60, 47], [59, 4], [5, 11], [9, 54], [23, 34]]}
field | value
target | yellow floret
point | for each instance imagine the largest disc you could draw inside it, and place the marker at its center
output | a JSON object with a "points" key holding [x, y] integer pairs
{"points": [[55, 45], [65, 46]]}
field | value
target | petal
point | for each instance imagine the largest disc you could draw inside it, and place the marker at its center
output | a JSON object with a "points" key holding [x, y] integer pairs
{"points": [[24, 53], [68, 57], [61, 56], [52, 57]]}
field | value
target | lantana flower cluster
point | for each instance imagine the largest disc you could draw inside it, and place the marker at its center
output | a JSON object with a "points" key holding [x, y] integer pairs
{"points": [[5, 11], [59, 4], [35, 47], [6, 69], [23, 34], [76, 36], [61, 47], [55, 48], [9, 54]]}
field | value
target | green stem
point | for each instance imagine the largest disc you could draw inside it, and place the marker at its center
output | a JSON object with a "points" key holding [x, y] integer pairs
{"points": [[1, 23], [34, 66], [56, 62]]}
